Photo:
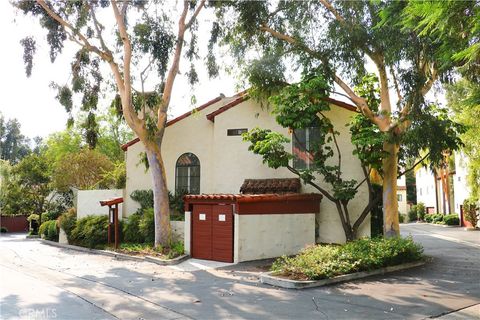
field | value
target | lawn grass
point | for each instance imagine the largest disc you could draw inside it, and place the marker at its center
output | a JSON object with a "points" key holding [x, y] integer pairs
{"points": [[327, 261]]}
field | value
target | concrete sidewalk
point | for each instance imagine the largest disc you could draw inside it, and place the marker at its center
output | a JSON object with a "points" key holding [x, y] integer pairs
{"points": [[85, 286]]}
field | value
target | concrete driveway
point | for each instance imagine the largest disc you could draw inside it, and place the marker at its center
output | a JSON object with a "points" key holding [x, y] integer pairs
{"points": [[38, 281]]}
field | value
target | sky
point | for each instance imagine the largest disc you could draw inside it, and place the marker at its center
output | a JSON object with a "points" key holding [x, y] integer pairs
{"points": [[32, 101]]}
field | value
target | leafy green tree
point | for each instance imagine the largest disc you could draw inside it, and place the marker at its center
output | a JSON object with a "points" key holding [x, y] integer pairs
{"points": [[83, 170], [454, 26], [60, 144], [28, 186], [148, 36], [13, 144], [464, 99], [337, 40]]}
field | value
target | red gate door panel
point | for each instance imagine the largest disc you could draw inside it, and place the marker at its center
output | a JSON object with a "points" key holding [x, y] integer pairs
{"points": [[202, 232], [222, 233]]}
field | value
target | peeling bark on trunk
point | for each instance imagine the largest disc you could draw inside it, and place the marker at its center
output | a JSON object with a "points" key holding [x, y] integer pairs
{"points": [[161, 206], [390, 204]]}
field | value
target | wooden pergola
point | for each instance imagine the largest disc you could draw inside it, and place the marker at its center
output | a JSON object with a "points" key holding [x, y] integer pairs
{"points": [[112, 218]]}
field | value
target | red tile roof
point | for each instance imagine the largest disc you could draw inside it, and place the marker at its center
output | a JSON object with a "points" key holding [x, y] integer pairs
{"points": [[279, 186], [252, 197]]}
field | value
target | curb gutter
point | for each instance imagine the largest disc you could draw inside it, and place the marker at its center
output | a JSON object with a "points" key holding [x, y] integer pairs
{"points": [[118, 255], [268, 278]]}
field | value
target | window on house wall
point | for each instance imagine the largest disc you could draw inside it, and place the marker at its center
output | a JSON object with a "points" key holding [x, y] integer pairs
{"points": [[187, 174], [303, 144], [236, 132], [399, 198]]}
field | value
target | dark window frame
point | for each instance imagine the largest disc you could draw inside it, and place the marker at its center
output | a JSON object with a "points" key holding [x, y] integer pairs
{"points": [[236, 132], [196, 178]]}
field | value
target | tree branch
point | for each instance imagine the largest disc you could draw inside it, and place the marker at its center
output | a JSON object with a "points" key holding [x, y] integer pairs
{"points": [[397, 87], [195, 14], [172, 73], [322, 191], [366, 211], [360, 102], [74, 31], [413, 167], [124, 82]]}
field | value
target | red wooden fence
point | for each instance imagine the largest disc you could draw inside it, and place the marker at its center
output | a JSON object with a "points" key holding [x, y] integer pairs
{"points": [[14, 223]]}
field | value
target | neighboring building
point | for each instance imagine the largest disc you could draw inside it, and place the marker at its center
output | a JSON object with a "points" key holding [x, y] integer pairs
{"points": [[444, 189], [402, 195], [203, 153]]}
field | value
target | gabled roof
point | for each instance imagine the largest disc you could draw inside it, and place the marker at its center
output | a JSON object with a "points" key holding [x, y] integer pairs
{"points": [[175, 120], [238, 98]]}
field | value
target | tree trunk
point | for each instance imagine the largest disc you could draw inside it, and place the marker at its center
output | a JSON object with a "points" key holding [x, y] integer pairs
{"points": [[161, 206], [391, 226]]}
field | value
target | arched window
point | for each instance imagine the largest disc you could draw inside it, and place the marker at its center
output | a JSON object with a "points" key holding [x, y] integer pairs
{"points": [[304, 142], [187, 174]]}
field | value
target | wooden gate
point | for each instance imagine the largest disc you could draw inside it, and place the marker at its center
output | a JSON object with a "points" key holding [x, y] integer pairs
{"points": [[212, 232]]}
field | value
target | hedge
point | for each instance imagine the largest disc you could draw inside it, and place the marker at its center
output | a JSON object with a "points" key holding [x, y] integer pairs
{"points": [[327, 261]]}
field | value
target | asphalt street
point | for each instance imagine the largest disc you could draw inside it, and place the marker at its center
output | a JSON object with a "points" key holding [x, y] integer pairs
{"points": [[38, 281]]}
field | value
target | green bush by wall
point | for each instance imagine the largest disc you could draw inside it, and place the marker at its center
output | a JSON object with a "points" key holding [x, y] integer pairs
{"points": [[451, 220], [90, 231], [49, 230]]}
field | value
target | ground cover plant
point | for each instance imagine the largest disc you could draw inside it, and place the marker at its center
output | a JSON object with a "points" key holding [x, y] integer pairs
{"points": [[327, 261], [174, 250]]}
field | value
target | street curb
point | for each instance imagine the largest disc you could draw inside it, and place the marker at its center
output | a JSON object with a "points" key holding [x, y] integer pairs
{"points": [[164, 262], [268, 278], [442, 225], [118, 255]]}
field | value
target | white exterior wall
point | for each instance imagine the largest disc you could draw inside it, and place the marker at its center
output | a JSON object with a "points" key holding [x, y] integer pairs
{"points": [[225, 161], [271, 235], [87, 202], [402, 192], [425, 181], [460, 185]]}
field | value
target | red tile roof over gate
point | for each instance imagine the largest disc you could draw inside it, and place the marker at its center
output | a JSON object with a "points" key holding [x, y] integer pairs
{"points": [[259, 186]]}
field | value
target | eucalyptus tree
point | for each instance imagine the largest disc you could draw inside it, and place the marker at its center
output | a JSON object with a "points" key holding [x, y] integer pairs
{"points": [[143, 36], [338, 40]]}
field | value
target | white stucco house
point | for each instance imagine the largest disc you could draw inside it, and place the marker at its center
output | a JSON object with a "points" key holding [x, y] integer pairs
{"points": [[444, 195], [204, 153], [402, 195]]}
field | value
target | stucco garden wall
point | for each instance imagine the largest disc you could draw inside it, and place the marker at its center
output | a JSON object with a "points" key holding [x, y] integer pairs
{"points": [[87, 202], [271, 235]]}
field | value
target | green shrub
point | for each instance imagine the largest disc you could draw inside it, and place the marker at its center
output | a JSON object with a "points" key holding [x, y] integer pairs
{"points": [[420, 211], [437, 218], [451, 220], [412, 213], [147, 225], [470, 211], [429, 217], [401, 218], [50, 215], [67, 221], [177, 206], [90, 231], [144, 198], [131, 230], [49, 230], [326, 261], [3, 230]]}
